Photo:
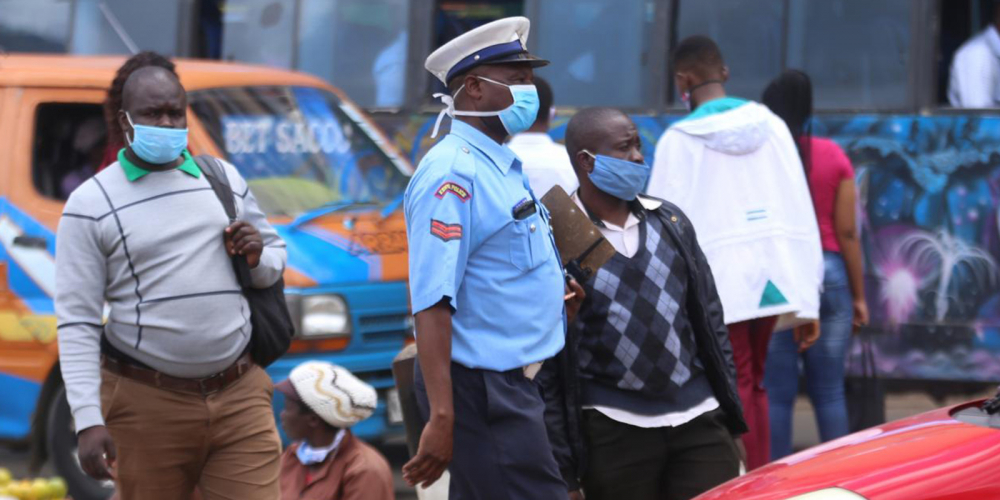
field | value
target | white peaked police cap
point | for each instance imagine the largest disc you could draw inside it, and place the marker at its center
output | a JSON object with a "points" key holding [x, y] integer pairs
{"points": [[502, 41], [332, 392]]}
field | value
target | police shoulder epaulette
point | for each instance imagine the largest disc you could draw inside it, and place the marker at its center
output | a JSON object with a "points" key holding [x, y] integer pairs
{"points": [[464, 163]]}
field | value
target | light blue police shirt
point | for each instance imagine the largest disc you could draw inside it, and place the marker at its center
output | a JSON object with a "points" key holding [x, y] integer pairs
{"points": [[502, 276]]}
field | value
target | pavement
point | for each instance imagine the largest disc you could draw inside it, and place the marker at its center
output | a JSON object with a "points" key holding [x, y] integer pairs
{"points": [[805, 434]]}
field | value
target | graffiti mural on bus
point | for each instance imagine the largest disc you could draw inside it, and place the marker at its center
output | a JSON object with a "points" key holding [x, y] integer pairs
{"points": [[928, 198], [929, 188]]}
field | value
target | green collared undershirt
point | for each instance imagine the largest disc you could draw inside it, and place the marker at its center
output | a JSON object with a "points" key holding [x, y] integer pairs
{"points": [[133, 171]]}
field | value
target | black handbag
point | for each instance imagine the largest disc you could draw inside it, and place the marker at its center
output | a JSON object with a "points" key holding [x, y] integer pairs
{"points": [[865, 391], [269, 317]]}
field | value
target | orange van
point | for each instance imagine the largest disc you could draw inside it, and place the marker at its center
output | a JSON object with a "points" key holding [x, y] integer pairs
{"points": [[323, 172]]}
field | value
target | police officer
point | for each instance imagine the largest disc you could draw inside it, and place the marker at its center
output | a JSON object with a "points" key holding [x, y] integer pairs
{"points": [[486, 285]]}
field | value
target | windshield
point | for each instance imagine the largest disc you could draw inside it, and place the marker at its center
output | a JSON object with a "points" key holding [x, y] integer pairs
{"points": [[300, 148]]}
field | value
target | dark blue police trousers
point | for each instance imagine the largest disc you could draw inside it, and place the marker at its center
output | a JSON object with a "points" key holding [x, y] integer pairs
{"points": [[501, 449]]}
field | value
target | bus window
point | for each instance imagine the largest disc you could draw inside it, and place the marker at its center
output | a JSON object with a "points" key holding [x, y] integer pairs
{"points": [[69, 143], [962, 22], [299, 147], [599, 51], [247, 23], [455, 17], [748, 33], [358, 45], [855, 51], [22, 29], [956, 28]]}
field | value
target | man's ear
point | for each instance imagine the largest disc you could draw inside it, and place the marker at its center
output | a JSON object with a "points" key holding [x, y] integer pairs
{"points": [[473, 87], [123, 124], [585, 161], [725, 74], [681, 82]]}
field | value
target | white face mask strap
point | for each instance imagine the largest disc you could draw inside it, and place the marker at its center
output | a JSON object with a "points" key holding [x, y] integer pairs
{"points": [[449, 102], [449, 109], [492, 81], [129, 118], [589, 153]]}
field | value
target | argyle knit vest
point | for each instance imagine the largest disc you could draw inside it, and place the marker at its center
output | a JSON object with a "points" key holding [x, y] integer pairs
{"points": [[637, 350]]}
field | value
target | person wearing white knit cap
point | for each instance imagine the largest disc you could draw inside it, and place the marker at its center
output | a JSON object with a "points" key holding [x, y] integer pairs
{"points": [[322, 402]]}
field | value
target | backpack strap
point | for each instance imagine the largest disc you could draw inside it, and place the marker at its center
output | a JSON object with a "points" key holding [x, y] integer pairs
{"points": [[217, 178]]}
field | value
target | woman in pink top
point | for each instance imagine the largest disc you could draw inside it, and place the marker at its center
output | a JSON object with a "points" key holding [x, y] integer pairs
{"points": [[842, 304]]}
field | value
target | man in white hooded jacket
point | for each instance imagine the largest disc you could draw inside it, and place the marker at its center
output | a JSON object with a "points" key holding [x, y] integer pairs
{"points": [[732, 166]]}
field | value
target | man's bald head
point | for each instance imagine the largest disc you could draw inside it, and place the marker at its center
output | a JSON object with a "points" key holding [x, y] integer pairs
{"points": [[589, 128], [154, 80], [152, 96]]}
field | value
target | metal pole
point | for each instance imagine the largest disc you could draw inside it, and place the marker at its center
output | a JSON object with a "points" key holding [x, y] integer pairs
{"points": [[119, 29]]}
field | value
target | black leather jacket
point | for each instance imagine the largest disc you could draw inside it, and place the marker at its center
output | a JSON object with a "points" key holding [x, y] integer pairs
{"points": [[558, 378]]}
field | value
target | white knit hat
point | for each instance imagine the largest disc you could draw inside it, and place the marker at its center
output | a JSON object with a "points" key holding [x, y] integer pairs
{"points": [[332, 392]]}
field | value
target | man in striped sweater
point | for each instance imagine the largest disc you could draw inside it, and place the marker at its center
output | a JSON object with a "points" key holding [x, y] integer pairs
{"points": [[164, 394]]}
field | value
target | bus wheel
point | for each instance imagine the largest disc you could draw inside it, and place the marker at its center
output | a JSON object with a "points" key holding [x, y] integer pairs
{"points": [[62, 451]]}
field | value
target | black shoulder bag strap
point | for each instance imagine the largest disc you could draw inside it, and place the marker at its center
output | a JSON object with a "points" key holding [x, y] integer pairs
{"points": [[217, 178], [272, 324]]}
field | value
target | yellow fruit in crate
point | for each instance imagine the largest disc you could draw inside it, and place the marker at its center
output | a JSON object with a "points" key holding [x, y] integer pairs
{"points": [[58, 488], [11, 490], [39, 490], [4, 476], [19, 489]]}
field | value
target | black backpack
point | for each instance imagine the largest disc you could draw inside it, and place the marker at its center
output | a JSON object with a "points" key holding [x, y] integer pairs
{"points": [[269, 317]]}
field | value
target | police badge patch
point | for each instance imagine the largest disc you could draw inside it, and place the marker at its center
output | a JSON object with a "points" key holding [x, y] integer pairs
{"points": [[453, 188]]}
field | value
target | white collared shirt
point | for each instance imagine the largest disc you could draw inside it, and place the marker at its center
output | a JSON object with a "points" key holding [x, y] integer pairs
{"points": [[626, 242], [625, 239], [544, 162], [975, 72]]}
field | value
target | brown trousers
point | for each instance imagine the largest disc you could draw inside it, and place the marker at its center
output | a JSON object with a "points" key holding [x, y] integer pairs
{"points": [[168, 442]]}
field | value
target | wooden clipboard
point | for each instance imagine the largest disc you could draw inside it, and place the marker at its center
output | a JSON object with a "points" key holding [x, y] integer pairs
{"points": [[581, 245]]}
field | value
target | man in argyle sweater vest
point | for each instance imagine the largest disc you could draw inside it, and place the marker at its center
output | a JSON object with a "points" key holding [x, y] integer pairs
{"points": [[642, 402]]}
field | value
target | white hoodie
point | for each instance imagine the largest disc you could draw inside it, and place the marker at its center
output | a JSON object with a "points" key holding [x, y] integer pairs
{"points": [[736, 173]]}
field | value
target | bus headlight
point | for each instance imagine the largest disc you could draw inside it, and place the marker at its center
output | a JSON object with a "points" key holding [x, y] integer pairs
{"points": [[325, 316]]}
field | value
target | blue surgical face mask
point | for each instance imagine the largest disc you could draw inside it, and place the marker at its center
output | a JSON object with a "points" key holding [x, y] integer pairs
{"points": [[516, 118], [619, 178], [308, 455], [156, 145]]}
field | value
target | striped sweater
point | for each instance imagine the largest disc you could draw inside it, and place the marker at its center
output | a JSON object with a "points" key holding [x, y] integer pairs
{"points": [[152, 249]]}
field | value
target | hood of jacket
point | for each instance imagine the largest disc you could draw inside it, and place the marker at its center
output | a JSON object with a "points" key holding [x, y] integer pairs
{"points": [[742, 127]]}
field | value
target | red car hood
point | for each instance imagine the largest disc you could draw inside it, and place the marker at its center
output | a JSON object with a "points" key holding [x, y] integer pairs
{"points": [[929, 456]]}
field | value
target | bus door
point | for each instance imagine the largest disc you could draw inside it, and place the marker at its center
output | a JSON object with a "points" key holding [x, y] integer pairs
{"points": [[51, 137]]}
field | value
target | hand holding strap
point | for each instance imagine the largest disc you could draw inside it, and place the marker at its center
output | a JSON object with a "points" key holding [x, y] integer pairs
{"points": [[217, 178]]}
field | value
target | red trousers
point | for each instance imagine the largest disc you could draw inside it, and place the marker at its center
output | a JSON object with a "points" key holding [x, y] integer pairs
{"points": [[750, 339]]}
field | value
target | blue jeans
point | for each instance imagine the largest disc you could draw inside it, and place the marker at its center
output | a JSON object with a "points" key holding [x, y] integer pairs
{"points": [[823, 364]]}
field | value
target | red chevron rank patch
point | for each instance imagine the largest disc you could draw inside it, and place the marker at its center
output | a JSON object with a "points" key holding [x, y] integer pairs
{"points": [[451, 187], [446, 232]]}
